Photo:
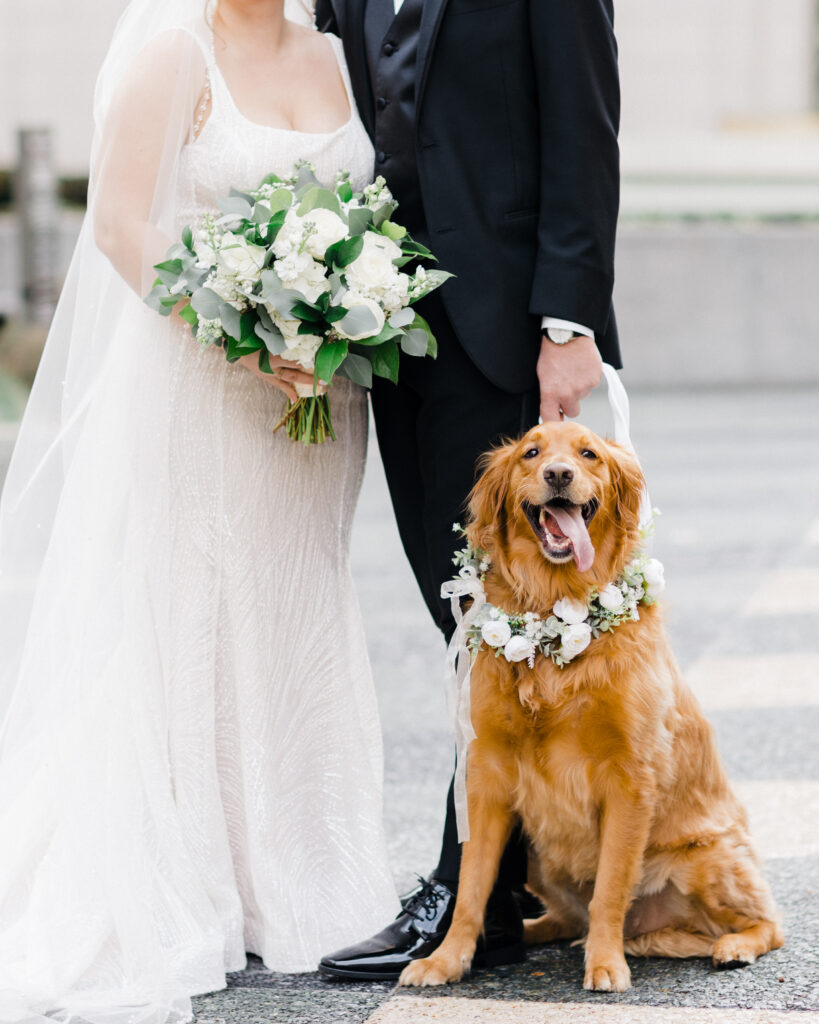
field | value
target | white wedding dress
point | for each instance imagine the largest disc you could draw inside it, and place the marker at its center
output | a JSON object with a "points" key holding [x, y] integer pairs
{"points": [[191, 764]]}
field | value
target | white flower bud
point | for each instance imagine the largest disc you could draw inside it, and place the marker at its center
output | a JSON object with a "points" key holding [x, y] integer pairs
{"points": [[496, 632], [654, 575], [571, 611], [574, 640], [611, 598], [518, 648]]}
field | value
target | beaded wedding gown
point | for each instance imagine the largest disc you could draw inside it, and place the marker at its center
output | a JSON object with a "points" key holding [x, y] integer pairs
{"points": [[191, 765]]}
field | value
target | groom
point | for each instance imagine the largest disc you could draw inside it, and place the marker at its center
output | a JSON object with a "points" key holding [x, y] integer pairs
{"points": [[495, 125]]}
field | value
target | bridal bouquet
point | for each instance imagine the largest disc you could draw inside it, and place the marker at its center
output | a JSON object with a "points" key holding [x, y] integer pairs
{"points": [[311, 274]]}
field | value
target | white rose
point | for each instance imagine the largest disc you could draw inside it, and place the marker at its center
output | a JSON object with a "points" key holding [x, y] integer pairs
{"points": [[373, 271], [241, 257], [496, 632], [574, 639], [518, 648], [654, 575], [352, 300], [329, 229], [611, 598], [571, 611]]}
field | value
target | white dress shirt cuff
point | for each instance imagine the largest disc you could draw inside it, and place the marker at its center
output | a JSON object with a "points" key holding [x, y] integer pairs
{"points": [[553, 321]]}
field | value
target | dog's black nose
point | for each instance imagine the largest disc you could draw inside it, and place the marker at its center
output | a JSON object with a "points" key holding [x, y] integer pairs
{"points": [[558, 474]]}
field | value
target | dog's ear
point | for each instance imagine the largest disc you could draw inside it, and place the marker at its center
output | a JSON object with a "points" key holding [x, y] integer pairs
{"points": [[628, 485], [487, 502]]}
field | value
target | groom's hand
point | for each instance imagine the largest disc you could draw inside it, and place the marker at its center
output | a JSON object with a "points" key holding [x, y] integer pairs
{"points": [[566, 374]]}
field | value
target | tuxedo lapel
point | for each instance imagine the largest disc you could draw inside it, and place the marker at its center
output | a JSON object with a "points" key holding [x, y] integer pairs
{"points": [[430, 23]]}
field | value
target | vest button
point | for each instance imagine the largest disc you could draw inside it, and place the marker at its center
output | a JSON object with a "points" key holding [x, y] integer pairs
{"points": [[389, 49], [381, 156], [382, 102]]}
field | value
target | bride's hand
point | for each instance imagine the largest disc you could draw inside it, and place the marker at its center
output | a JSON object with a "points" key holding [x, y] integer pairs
{"points": [[285, 374]]}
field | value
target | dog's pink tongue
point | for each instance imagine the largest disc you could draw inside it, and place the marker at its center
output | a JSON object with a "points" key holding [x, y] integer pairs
{"points": [[570, 521]]}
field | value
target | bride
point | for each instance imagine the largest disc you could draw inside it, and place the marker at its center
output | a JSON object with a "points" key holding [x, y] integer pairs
{"points": [[190, 755]]}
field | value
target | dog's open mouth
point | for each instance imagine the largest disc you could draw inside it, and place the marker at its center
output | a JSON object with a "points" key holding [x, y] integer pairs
{"points": [[563, 530]]}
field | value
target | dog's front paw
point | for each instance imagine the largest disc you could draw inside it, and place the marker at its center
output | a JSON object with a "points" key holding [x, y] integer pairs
{"points": [[611, 975], [438, 969], [734, 951]]}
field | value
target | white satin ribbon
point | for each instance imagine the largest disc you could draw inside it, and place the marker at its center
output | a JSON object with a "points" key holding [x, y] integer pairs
{"points": [[620, 414], [459, 657], [459, 673]]}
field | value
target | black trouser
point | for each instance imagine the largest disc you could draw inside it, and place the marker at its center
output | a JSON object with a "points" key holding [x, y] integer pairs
{"points": [[431, 429]]}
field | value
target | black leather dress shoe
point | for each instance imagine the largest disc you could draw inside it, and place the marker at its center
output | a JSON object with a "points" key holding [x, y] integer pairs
{"points": [[420, 928]]}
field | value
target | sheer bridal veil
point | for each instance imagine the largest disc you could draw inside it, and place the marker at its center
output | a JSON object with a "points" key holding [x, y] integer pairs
{"points": [[102, 917]]}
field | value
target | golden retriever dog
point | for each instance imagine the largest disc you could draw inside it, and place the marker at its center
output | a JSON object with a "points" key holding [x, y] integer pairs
{"points": [[638, 843]]}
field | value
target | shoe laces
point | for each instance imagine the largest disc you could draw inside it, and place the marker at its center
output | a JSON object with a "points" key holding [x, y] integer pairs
{"points": [[423, 905]]}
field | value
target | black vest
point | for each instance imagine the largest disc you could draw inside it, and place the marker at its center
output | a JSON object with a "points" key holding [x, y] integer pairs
{"points": [[391, 42]]}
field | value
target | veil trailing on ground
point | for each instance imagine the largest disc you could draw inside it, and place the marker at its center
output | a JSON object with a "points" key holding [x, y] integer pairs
{"points": [[83, 561]]}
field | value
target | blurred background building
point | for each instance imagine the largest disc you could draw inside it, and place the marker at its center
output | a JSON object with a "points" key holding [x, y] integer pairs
{"points": [[719, 243]]}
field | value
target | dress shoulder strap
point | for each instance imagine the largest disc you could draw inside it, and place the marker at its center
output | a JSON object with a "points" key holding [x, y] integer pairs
{"points": [[202, 35]]}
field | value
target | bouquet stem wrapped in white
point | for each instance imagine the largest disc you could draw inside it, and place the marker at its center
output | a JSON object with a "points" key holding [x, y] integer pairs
{"points": [[310, 274]]}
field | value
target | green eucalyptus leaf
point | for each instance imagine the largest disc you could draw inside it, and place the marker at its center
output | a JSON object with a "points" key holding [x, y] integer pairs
{"points": [[306, 179], [236, 193], [206, 303], [359, 320], [402, 318], [234, 207], [336, 284], [345, 190], [281, 199], [420, 324], [275, 294], [160, 300], [415, 342], [359, 219], [231, 320], [358, 369], [187, 238], [383, 214], [272, 337], [321, 199]]}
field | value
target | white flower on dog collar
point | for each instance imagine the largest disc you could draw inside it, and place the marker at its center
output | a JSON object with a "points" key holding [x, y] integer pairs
{"points": [[572, 625]]}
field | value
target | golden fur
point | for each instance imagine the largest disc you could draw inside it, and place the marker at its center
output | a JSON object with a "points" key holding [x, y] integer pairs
{"points": [[638, 843]]}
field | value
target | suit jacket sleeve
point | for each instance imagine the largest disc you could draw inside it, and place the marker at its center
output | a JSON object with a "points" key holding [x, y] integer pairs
{"points": [[325, 17], [578, 88]]}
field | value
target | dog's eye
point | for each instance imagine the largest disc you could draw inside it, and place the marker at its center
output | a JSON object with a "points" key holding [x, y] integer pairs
{"points": [[587, 453], [531, 453]]}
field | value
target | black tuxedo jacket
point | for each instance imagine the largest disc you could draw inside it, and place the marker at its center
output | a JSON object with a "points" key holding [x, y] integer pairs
{"points": [[517, 111]]}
